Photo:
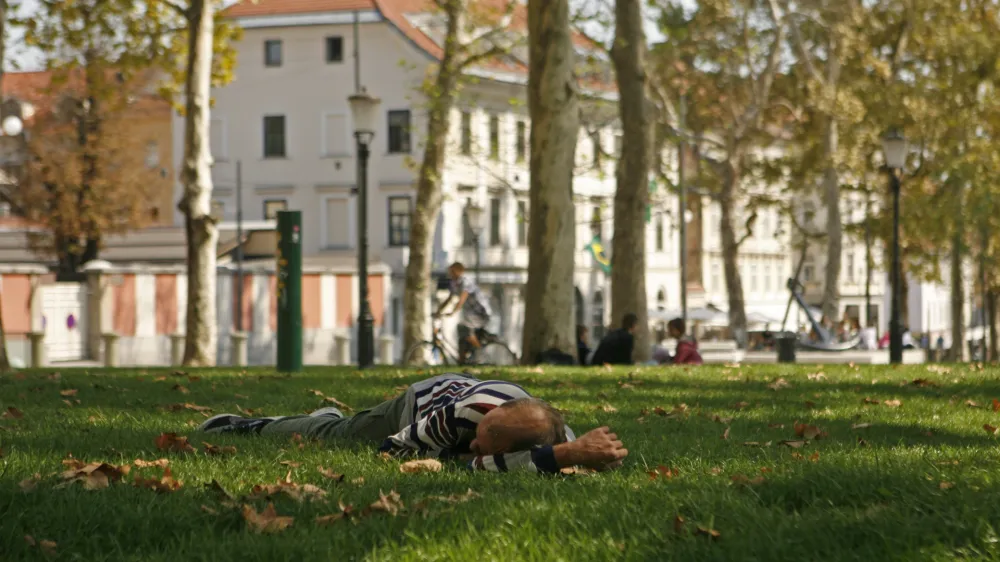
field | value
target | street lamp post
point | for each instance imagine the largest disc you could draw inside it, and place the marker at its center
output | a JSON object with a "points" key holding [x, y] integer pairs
{"points": [[475, 215], [364, 110], [894, 148]]}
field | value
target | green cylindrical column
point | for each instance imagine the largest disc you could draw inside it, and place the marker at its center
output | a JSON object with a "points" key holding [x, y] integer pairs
{"points": [[289, 291]]}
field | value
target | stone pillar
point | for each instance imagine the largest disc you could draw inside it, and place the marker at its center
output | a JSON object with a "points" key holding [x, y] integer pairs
{"points": [[238, 349], [110, 349], [343, 351], [176, 349], [385, 344], [37, 349]]}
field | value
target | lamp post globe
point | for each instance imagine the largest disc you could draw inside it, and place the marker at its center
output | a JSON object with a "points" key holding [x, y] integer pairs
{"points": [[364, 115], [12, 126], [894, 149]]}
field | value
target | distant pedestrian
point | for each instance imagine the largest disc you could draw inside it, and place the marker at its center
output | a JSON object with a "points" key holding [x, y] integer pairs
{"points": [[616, 347], [687, 348], [582, 344]]}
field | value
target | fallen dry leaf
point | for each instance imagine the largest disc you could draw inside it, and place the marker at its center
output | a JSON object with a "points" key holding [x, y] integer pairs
{"points": [[870, 401], [946, 485], [188, 406], [337, 403], [972, 403], [335, 476], [572, 470], [160, 378], [95, 476], [923, 382], [664, 472], [165, 484], [862, 442], [12, 413], [678, 524], [421, 465], [48, 548], [173, 442], [180, 388], [716, 470], [816, 376], [267, 521], [719, 419], [608, 408], [346, 512], [295, 491], [358, 481], [29, 484], [291, 464], [742, 480], [808, 431], [776, 426], [215, 450], [793, 444], [68, 392], [892, 403], [861, 426], [390, 504], [989, 429], [996, 405], [779, 384], [193, 378], [139, 463], [740, 405], [710, 533], [209, 510], [725, 434], [814, 457]]}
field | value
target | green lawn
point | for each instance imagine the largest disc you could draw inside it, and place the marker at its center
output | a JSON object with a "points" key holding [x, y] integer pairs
{"points": [[920, 483]]}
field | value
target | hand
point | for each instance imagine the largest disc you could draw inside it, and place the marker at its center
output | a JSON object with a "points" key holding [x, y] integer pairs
{"points": [[599, 449]]}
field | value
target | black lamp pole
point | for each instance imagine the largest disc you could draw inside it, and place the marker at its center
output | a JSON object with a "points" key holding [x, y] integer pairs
{"points": [[366, 323], [895, 323]]}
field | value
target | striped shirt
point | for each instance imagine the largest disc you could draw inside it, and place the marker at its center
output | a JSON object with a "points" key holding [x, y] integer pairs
{"points": [[443, 417]]}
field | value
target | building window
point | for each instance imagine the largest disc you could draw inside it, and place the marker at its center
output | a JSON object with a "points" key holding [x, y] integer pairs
{"points": [[274, 136], [399, 131], [466, 133], [596, 226], [661, 300], [400, 211], [753, 278], [597, 320], [522, 141], [334, 49], [217, 140], [338, 223], [807, 273], [218, 209], [618, 146], [767, 278], [715, 278], [850, 267], [659, 234], [522, 223], [272, 206], [495, 221], [595, 141], [494, 137], [272, 52], [152, 154]]}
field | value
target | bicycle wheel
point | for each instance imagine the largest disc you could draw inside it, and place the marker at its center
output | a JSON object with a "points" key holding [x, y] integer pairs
{"points": [[496, 353], [425, 353]]}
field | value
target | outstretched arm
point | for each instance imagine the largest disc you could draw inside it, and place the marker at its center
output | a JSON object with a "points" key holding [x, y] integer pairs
{"points": [[599, 449]]}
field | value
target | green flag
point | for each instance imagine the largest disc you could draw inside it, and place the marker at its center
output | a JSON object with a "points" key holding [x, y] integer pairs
{"points": [[596, 249]]}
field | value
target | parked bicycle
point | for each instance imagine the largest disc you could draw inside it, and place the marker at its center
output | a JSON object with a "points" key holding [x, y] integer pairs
{"points": [[437, 351]]}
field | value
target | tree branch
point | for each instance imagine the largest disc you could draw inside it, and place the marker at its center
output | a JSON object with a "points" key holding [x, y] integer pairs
{"points": [[181, 10], [804, 54]]}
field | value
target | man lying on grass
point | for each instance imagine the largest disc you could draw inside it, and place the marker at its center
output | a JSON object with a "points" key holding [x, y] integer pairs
{"points": [[494, 425]]}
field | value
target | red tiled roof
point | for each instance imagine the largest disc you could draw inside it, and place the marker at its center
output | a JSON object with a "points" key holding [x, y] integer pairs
{"points": [[249, 8], [395, 12], [27, 86]]}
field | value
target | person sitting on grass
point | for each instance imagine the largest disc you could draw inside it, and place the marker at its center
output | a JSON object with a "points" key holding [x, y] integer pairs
{"points": [[687, 349], [616, 347], [474, 305], [494, 425]]}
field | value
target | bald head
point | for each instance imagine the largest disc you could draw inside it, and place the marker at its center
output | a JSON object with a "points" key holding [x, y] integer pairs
{"points": [[519, 425]]}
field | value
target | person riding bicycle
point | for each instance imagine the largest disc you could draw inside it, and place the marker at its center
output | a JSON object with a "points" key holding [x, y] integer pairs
{"points": [[472, 302]]}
